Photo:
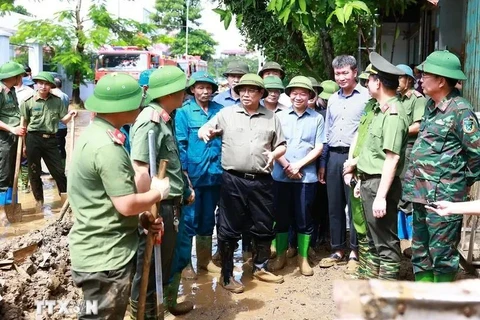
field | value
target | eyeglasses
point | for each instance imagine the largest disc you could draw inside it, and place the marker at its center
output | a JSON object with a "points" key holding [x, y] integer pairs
{"points": [[248, 90], [428, 76]]}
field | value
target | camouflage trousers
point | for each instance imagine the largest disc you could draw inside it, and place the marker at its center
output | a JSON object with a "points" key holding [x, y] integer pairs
{"points": [[434, 242], [384, 255]]}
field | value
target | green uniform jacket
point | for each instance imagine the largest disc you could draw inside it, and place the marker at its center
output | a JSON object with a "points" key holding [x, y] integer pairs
{"points": [[445, 158], [388, 131], [414, 103], [43, 115], [153, 117], [365, 121], [101, 238], [9, 113]]}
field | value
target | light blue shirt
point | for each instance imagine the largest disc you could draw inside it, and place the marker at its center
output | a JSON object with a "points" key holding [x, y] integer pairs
{"points": [[225, 98], [303, 133]]}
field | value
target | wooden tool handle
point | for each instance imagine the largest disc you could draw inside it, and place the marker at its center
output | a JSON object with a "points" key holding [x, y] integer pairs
{"points": [[162, 169], [17, 163]]}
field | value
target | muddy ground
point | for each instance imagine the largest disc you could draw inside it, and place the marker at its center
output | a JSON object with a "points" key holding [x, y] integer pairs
{"points": [[45, 274]]}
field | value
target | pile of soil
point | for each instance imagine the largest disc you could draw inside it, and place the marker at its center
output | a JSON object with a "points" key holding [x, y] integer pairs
{"points": [[44, 274]]}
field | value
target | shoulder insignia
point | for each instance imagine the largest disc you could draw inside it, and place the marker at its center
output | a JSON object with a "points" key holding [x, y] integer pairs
{"points": [[165, 116], [117, 136], [154, 116], [393, 109], [469, 125], [1, 89], [409, 94], [417, 94], [29, 95]]}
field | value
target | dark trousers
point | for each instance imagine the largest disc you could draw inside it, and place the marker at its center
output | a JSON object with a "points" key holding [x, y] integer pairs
{"points": [[247, 206], [8, 152], [338, 199], [320, 215], [46, 148], [110, 289], [294, 206], [168, 249], [61, 141]]}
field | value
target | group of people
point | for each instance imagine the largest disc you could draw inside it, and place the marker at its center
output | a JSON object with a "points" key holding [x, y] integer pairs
{"points": [[43, 111]]}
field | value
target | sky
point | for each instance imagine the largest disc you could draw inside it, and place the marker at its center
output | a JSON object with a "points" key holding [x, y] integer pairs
{"points": [[210, 21]]}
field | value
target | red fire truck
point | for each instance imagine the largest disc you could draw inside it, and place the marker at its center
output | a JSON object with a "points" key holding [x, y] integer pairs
{"points": [[128, 59], [191, 64]]}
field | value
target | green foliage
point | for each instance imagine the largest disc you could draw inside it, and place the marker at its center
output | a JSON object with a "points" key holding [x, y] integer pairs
{"points": [[218, 66], [200, 43]]}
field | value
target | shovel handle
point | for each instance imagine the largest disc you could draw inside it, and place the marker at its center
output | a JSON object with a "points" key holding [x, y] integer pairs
{"points": [[17, 163]]}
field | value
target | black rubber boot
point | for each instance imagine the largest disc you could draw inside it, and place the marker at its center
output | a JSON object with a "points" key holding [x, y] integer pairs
{"points": [[227, 280]]}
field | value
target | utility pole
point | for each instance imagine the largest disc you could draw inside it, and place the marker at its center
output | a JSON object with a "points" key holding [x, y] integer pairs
{"points": [[186, 31]]}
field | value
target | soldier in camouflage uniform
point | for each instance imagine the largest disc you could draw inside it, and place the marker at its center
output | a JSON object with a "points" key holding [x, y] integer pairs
{"points": [[445, 160], [379, 165]]}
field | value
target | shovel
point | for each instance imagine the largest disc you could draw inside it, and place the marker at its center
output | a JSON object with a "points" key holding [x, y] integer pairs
{"points": [[14, 209]]}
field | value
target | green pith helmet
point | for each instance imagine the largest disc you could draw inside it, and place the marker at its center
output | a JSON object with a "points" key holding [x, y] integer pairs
{"points": [[236, 67], [365, 74], [273, 82], [202, 76], [443, 63], [270, 65], [11, 69], [251, 79], [300, 82], [115, 92], [166, 80], [316, 86], [45, 76], [329, 88]]}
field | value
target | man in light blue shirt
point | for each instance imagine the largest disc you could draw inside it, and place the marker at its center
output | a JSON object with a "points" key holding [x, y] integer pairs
{"points": [[295, 173], [235, 70]]}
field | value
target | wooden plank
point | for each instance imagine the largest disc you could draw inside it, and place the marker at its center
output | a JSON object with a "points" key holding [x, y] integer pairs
{"points": [[20, 255]]}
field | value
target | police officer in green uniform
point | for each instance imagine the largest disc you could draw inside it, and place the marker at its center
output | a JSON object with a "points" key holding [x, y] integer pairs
{"points": [[166, 88], [445, 161], [104, 199], [42, 112], [380, 164], [10, 76]]}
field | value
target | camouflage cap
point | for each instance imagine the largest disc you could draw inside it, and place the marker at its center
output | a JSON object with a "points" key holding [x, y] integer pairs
{"points": [[45, 76], [443, 63], [300, 82], [251, 79], [408, 71], [166, 80], [365, 74], [114, 93], [273, 82], [329, 88], [202, 76], [270, 65], [11, 69], [236, 67]]}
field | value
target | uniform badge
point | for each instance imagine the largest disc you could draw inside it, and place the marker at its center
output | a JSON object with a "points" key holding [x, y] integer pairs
{"points": [[165, 116], [469, 125], [155, 116], [117, 136]]}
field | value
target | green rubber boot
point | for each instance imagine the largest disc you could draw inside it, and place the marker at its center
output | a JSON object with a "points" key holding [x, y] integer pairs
{"points": [[204, 254], [281, 242], [170, 295], [425, 276], [302, 259], [444, 277]]}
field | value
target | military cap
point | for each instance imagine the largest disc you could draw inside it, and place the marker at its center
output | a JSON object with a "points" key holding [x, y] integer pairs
{"points": [[202, 76], [114, 93], [236, 67], [251, 79], [316, 86], [273, 82], [408, 71], [270, 65], [300, 82], [383, 68], [45, 76], [329, 88], [145, 76], [166, 80], [11, 69], [443, 63], [364, 75]]}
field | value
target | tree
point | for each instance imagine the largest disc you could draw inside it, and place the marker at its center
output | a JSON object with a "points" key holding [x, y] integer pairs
{"points": [[72, 42], [171, 16], [218, 66]]}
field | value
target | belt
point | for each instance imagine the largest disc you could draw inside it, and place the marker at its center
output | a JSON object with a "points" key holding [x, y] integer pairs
{"points": [[250, 176], [339, 149], [176, 202], [42, 134], [366, 176]]}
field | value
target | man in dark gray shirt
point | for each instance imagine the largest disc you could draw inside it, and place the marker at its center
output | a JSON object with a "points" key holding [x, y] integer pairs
{"points": [[345, 107]]}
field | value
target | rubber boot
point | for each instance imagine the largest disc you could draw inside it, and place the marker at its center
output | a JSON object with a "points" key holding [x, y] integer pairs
{"points": [[273, 249], [362, 257], [425, 276], [280, 261], [291, 252], [444, 277], [260, 258], [302, 260], [188, 273], [227, 281], [63, 198], [204, 254], [389, 270], [170, 296]]}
